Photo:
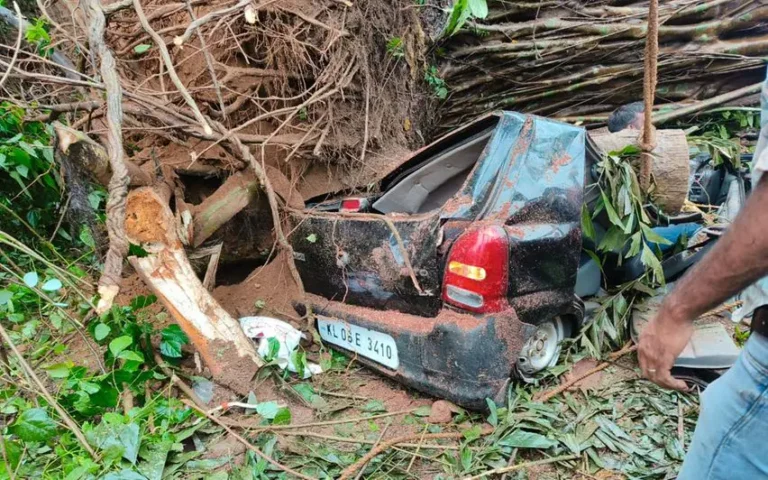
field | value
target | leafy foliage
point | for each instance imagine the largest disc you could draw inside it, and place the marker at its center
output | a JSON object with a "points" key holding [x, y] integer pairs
{"points": [[433, 79], [29, 178], [173, 337], [37, 34], [463, 10], [622, 205], [395, 47]]}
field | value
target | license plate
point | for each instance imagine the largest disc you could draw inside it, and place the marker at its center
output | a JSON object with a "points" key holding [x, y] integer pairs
{"points": [[377, 346]]}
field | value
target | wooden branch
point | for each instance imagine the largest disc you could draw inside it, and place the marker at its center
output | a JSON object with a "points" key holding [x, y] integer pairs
{"points": [[248, 444], [523, 466], [179, 41], [352, 469], [81, 149], [546, 396], [231, 198], [17, 47], [109, 283], [670, 167], [208, 62], [663, 117], [229, 354]]}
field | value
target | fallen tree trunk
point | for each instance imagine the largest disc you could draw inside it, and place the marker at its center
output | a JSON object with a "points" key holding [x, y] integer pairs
{"points": [[670, 167], [227, 352], [581, 58]]}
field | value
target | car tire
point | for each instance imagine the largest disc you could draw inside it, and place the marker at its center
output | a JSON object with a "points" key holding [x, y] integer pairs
{"points": [[542, 349]]}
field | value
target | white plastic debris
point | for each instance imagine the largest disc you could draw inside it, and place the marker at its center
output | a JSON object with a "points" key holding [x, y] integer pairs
{"points": [[250, 14], [264, 328]]}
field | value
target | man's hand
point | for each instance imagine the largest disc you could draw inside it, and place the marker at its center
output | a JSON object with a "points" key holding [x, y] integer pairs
{"points": [[660, 344]]}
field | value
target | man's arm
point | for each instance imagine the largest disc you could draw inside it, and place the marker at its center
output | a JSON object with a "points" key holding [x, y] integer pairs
{"points": [[738, 259]]}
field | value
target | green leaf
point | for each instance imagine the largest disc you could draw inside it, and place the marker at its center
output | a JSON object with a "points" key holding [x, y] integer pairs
{"points": [[34, 425], [89, 387], [478, 8], [493, 417], [459, 15], [612, 215], [142, 301], [312, 238], [374, 406], [31, 279], [587, 227], [634, 245], [423, 411], [51, 285], [136, 251], [613, 240], [142, 48], [87, 237], [94, 199], [273, 347], [119, 344], [472, 433], [466, 458], [5, 296], [101, 332], [173, 337], [299, 360], [282, 417], [651, 236], [131, 355], [268, 410], [124, 474], [525, 439], [649, 259], [59, 370], [116, 438]]}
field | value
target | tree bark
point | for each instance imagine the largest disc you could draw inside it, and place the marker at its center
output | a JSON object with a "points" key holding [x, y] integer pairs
{"points": [[229, 355]]}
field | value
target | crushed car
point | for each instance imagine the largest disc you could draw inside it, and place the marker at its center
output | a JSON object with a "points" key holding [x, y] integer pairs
{"points": [[460, 275], [466, 271]]}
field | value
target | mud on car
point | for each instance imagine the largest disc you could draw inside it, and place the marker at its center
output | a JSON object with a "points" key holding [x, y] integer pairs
{"points": [[461, 274]]}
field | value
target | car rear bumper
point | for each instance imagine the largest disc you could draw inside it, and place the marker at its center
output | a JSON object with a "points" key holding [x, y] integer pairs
{"points": [[459, 357]]}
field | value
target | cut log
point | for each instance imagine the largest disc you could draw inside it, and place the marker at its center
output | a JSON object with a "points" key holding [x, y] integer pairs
{"points": [[227, 352], [670, 168]]}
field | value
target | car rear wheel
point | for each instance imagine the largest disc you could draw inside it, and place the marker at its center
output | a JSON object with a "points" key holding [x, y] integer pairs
{"points": [[542, 349]]}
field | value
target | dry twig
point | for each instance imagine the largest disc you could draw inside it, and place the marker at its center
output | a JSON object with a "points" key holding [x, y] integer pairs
{"points": [[247, 444], [352, 469], [546, 396], [16, 48], [520, 466]]}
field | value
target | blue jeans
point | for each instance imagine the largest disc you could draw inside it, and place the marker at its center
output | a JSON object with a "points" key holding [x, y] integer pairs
{"points": [[730, 437]]}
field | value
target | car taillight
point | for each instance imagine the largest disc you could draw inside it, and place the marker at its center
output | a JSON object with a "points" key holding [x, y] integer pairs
{"points": [[476, 276], [351, 205]]}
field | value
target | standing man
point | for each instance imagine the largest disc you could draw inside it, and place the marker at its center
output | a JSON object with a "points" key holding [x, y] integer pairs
{"points": [[733, 422]]}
